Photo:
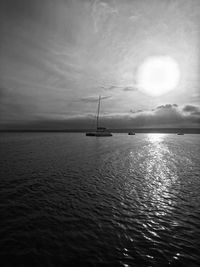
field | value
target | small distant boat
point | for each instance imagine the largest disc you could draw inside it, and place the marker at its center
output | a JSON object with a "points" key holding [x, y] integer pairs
{"points": [[180, 133], [131, 133], [100, 131]]}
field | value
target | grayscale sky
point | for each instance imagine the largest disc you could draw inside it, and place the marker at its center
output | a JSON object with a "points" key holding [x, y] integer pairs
{"points": [[56, 57]]}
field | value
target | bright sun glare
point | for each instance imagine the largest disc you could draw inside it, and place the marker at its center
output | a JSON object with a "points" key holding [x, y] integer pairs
{"points": [[158, 75]]}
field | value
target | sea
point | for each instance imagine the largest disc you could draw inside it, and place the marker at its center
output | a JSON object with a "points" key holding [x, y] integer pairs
{"points": [[67, 199]]}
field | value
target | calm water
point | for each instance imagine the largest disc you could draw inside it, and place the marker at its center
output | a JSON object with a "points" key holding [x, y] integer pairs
{"points": [[68, 199]]}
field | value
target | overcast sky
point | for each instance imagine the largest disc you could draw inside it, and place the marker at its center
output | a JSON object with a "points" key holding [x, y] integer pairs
{"points": [[56, 57]]}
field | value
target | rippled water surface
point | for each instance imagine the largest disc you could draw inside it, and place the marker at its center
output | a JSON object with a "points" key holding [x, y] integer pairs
{"points": [[68, 199]]}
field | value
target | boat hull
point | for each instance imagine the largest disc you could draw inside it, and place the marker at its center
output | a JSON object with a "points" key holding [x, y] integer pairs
{"points": [[99, 134]]}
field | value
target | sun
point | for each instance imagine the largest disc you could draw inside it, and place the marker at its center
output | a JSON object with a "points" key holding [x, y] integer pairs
{"points": [[158, 75]]}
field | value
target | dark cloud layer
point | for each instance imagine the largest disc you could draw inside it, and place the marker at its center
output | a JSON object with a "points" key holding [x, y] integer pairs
{"points": [[169, 115], [191, 109], [167, 106]]}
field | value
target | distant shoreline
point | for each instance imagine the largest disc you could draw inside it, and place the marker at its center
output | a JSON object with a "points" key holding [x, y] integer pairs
{"points": [[138, 130]]}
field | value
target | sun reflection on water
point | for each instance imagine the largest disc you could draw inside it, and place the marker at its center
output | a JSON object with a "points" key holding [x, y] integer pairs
{"points": [[155, 137], [158, 184], [160, 175], [154, 185]]}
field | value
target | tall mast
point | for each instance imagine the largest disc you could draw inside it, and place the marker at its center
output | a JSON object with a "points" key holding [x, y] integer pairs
{"points": [[98, 112]]}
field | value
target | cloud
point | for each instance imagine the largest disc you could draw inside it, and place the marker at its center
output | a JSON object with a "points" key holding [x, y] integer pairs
{"points": [[169, 115], [134, 17], [100, 13], [112, 87], [129, 88], [93, 98], [125, 89], [167, 106], [191, 109], [136, 111]]}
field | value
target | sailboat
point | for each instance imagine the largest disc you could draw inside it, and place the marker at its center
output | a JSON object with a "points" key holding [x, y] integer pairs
{"points": [[100, 131], [131, 133]]}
